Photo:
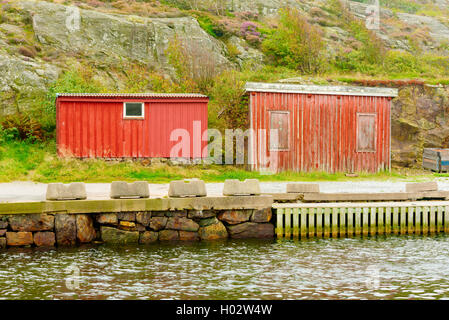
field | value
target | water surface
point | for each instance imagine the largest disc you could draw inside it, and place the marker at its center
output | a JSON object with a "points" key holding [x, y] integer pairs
{"points": [[374, 268]]}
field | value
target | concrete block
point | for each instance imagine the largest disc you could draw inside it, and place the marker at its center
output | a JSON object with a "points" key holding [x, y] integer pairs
{"points": [[234, 187], [421, 187], [187, 188], [303, 188], [121, 189], [72, 191]]}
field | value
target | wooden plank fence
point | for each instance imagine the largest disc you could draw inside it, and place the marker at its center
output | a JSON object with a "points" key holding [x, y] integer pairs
{"points": [[310, 220]]}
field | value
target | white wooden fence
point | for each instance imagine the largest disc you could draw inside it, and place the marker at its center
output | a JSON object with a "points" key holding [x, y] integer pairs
{"points": [[309, 220]]}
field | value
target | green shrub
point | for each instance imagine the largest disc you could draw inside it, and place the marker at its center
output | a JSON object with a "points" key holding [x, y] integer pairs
{"points": [[401, 62], [228, 94], [233, 51], [137, 80], [72, 81], [21, 126], [367, 52], [207, 25], [373, 49], [195, 68], [402, 5], [295, 43], [438, 65], [406, 64], [9, 134]]}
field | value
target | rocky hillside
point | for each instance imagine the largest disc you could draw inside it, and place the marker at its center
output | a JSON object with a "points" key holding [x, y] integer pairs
{"points": [[39, 40], [122, 44]]}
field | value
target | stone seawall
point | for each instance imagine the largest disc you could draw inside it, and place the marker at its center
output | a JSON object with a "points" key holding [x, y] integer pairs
{"points": [[135, 221]]}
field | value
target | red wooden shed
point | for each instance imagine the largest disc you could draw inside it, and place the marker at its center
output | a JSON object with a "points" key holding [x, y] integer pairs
{"points": [[320, 128], [140, 125]]}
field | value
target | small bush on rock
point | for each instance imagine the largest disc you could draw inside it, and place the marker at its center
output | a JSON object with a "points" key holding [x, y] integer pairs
{"points": [[296, 43]]}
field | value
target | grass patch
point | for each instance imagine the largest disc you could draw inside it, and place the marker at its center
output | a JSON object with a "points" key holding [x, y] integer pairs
{"points": [[38, 162], [207, 25]]}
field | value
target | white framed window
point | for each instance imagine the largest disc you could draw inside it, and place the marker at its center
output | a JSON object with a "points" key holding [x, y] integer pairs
{"points": [[133, 110]]}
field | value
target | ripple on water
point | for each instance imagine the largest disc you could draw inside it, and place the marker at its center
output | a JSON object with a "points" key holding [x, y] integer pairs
{"points": [[374, 268]]}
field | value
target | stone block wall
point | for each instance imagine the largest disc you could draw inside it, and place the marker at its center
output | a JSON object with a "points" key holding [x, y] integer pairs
{"points": [[60, 229]]}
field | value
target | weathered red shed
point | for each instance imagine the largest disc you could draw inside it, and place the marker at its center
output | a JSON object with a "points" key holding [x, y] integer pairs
{"points": [[320, 128], [139, 125]]}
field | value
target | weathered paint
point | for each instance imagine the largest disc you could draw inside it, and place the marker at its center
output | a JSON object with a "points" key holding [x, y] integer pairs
{"points": [[93, 126], [323, 134], [436, 159]]}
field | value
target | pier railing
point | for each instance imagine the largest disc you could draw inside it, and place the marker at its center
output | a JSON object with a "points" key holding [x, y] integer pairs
{"points": [[324, 220]]}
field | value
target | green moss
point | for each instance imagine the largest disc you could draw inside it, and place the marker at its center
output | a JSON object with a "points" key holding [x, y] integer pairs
{"points": [[233, 51], [71, 81], [207, 25]]}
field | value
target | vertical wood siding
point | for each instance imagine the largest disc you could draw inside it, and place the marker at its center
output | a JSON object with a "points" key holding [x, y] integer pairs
{"points": [[96, 129], [322, 131]]}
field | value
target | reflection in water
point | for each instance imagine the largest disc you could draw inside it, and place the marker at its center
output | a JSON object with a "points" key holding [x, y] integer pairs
{"points": [[373, 268]]}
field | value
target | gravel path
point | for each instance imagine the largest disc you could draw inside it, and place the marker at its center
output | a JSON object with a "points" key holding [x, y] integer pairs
{"points": [[30, 191]]}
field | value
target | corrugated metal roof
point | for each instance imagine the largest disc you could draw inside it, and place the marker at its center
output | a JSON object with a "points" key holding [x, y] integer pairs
{"points": [[314, 89], [133, 95]]}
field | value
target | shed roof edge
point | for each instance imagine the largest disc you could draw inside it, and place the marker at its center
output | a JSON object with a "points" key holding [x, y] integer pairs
{"points": [[316, 89], [132, 95]]}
